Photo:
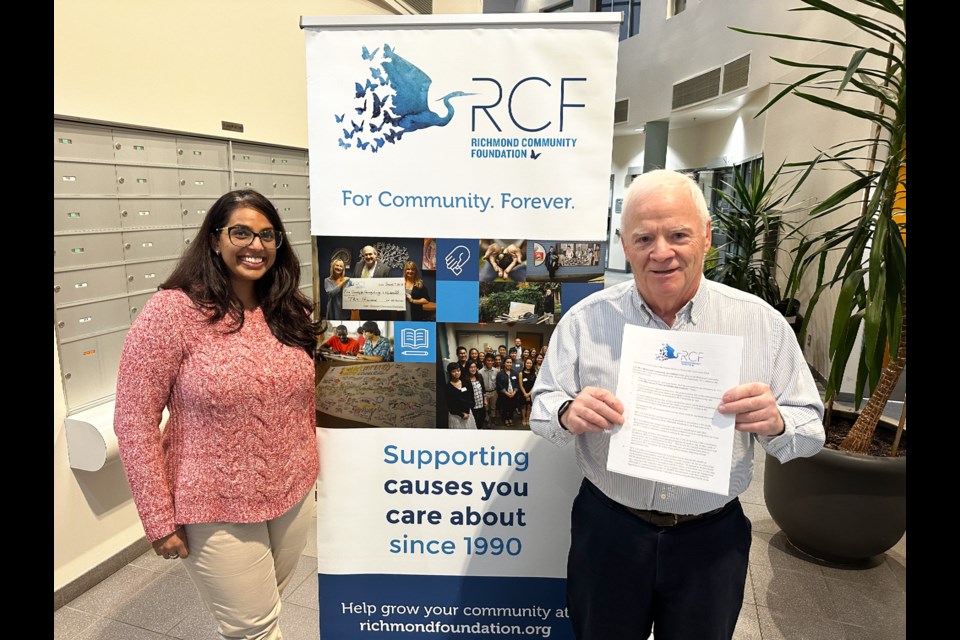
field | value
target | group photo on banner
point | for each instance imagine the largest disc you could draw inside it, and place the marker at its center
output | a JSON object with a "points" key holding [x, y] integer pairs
{"points": [[459, 172]]}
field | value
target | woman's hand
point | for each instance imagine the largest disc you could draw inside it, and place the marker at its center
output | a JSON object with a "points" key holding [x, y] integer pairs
{"points": [[172, 546]]}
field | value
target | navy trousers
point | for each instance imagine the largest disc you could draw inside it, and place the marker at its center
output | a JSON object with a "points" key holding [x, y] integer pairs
{"points": [[626, 576]]}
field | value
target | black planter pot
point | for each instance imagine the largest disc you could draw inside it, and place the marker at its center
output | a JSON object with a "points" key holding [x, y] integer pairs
{"points": [[836, 506], [790, 308]]}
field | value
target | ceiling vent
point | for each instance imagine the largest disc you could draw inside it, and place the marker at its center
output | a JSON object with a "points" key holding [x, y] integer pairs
{"points": [[697, 89], [621, 111], [423, 7], [736, 74]]}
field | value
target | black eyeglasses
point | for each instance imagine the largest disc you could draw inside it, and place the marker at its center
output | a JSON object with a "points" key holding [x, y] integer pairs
{"points": [[243, 237]]}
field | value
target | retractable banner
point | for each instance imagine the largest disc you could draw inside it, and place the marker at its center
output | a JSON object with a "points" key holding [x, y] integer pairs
{"points": [[459, 176]]}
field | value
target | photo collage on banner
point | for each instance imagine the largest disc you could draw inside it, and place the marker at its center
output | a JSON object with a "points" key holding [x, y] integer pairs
{"points": [[400, 288], [459, 191]]}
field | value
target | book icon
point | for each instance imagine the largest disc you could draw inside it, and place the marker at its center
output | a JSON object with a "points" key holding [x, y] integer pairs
{"points": [[414, 342]]}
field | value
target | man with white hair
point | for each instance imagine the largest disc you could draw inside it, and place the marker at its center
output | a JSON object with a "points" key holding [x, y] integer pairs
{"points": [[370, 266], [647, 554]]}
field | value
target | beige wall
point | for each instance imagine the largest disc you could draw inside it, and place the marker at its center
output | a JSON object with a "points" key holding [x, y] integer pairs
{"points": [[796, 131], [793, 131], [457, 6], [188, 65], [181, 65]]}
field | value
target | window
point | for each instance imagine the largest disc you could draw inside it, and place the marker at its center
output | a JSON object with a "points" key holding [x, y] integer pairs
{"points": [[675, 6], [560, 7], [722, 180], [631, 15]]}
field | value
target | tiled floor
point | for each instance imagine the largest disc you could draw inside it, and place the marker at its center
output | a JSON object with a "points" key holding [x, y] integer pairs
{"points": [[786, 597], [153, 599]]}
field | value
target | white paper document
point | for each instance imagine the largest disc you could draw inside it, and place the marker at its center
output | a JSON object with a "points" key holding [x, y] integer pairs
{"points": [[671, 383]]}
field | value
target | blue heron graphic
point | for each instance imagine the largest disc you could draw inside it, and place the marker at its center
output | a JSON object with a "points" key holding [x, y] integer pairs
{"points": [[397, 101], [412, 85], [666, 352]]}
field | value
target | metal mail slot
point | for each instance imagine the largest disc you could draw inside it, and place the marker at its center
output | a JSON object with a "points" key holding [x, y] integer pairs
{"points": [[83, 214], [77, 178], [73, 141], [86, 284], [87, 250], [85, 319]]}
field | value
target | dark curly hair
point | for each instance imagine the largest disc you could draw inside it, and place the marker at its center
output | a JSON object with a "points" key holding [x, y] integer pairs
{"points": [[205, 279]]}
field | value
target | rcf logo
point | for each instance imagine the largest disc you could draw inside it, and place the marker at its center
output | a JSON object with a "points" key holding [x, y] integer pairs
{"points": [[688, 358], [531, 94], [390, 103]]}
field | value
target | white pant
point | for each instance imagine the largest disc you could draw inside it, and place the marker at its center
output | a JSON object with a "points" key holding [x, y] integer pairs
{"points": [[242, 569]]}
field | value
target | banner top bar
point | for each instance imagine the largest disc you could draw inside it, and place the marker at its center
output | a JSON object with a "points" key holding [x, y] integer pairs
{"points": [[464, 19]]}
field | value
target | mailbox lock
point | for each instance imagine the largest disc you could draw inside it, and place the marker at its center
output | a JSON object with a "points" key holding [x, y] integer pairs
{"points": [[183, 182], [179, 152], [61, 324], [130, 278], [67, 376], [120, 180], [56, 289], [117, 146], [126, 245], [123, 213]]}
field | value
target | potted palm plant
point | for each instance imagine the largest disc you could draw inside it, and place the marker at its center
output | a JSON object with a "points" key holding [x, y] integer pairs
{"points": [[752, 218], [844, 505]]}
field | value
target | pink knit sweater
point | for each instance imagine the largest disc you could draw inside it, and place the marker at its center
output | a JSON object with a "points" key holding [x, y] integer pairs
{"points": [[240, 444]]}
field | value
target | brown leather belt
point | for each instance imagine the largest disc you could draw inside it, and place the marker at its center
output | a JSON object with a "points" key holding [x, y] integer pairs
{"points": [[661, 519], [656, 518]]}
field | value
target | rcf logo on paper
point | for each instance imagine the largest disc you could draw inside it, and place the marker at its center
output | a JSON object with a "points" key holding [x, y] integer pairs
{"points": [[688, 358], [391, 102]]}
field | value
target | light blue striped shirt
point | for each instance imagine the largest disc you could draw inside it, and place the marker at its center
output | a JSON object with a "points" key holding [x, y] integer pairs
{"points": [[585, 352]]}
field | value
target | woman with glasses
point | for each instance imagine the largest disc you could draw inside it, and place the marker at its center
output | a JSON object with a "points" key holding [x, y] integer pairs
{"points": [[333, 287], [478, 392], [227, 347]]}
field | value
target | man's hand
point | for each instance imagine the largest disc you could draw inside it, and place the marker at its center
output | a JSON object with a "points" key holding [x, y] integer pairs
{"points": [[755, 408], [593, 410]]}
